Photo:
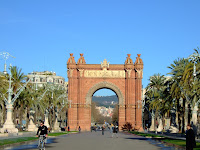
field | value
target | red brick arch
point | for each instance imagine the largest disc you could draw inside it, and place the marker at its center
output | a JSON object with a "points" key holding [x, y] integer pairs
{"points": [[101, 85], [85, 79]]}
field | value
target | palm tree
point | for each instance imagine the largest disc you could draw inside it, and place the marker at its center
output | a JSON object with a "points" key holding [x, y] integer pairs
{"points": [[155, 98], [18, 79], [177, 90]]}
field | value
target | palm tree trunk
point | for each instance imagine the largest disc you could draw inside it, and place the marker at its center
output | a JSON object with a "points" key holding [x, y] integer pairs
{"points": [[21, 115], [183, 117], [27, 116], [179, 115]]}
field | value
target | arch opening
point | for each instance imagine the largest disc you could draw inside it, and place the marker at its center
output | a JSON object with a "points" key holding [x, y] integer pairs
{"points": [[104, 107], [105, 85]]}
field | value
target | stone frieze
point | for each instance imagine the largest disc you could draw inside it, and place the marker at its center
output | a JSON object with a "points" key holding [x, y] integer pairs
{"points": [[104, 73]]}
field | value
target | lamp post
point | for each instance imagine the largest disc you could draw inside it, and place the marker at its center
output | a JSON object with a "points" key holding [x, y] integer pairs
{"points": [[32, 126], [46, 121], [9, 125], [5, 56], [195, 57], [56, 124]]}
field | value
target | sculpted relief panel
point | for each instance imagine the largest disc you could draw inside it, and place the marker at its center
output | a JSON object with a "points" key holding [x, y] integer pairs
{"points": [[104, 73]]}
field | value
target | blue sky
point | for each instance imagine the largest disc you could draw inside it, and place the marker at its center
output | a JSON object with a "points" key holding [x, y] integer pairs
{"points": [[42, 33]]}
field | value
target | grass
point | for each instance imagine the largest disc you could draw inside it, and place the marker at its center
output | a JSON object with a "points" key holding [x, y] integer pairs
{"points": [[145, 134], [23, 139], [60, 133], [16, 140], [57, 133], [177, 142]]}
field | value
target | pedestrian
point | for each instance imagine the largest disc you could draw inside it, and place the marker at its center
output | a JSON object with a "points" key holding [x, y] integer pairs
{"points": [[114, 132], [102, 130], [111, 129], [79, 129], [68, 129], [198, 130], [95, 128], [190, 138]]}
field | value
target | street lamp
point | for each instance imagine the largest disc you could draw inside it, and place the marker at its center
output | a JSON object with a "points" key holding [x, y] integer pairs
{"points": [[63, 104], [195, 57], [5, 56], [9, 125]]}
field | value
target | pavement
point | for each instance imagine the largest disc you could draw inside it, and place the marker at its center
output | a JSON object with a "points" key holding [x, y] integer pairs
{"points": [[97, 141]]}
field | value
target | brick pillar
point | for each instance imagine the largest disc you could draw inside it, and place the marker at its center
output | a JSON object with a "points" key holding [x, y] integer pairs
{"points": [[81, 102], [87, 117], [72, 92], [121, 116], [138, 90], [138, 125], [130, 95]]}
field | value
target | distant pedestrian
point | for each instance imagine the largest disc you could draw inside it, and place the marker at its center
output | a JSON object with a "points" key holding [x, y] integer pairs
{"points": [[95, 128], [114, 132], [102, 130], [198, 130], [190, 138], [68, 129], [111, 129], [79, 129]]}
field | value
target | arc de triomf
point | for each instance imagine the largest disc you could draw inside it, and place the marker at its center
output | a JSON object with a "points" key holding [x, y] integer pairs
{"points": [[85, 79]]}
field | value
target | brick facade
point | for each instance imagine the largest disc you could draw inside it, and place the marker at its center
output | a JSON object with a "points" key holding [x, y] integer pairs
{"points": [[85, 79]]}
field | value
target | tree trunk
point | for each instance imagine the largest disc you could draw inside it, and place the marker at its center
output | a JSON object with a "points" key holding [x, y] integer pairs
{"points": [[183, 117], [21, 115], [27, 116]]}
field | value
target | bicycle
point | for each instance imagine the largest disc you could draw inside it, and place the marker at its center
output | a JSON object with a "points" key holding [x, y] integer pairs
{"points": [[41, 144]]}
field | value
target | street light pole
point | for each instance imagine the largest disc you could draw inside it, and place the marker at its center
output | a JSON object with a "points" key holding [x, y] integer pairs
{"points": [[5, 56], [9, 125], [195, 57]]}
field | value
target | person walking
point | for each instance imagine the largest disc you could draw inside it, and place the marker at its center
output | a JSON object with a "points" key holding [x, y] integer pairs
{"points": [[111, 129], [79, 129], [190, 138], [198, 130], [68, 129], [114, 132], [103, 130]]}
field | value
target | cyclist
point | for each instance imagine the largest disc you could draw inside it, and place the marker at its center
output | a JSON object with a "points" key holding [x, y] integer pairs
{"points": [[42, 130]]}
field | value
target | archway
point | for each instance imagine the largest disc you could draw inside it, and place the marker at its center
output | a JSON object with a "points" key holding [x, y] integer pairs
{"points": [[124, 79], [104, 108]]}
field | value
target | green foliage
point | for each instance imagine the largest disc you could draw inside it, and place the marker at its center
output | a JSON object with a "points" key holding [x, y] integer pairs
{"points": [[58, 133], [146, 134], [16, 140]]}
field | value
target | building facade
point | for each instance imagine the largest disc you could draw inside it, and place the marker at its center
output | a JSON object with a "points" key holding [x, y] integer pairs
{"points": [[41, 78]]}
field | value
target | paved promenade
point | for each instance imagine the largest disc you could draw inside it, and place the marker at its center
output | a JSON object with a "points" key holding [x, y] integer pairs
{"points": [[94, 140]]}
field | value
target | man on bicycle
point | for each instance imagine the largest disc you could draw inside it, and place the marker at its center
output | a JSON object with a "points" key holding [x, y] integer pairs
{"points": [[43, 134], [42, 129]]}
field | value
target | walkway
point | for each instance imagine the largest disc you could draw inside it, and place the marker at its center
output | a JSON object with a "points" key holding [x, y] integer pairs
{"points": [[94, 140]]}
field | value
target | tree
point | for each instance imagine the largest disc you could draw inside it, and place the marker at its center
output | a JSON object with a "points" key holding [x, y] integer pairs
{"points": [[115, 116], [94, 113], [18, 79], [156, 92], [178, 90]]}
